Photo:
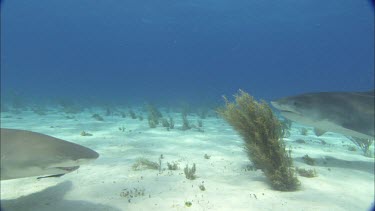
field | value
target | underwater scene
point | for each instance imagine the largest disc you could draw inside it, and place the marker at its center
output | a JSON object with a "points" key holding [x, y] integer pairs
{"points": [[187, 105]]}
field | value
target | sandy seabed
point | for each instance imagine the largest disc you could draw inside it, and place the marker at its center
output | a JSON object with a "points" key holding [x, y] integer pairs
{"points": [[345, 178]]}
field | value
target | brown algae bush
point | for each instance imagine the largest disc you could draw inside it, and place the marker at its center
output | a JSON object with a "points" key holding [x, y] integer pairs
{"points": [[262, 133]]}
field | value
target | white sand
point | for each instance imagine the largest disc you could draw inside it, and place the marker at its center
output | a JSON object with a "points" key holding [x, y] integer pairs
{"points": [[345, 182]]}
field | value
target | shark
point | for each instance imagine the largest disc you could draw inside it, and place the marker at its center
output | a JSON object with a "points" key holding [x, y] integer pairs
{"points": [[31, 154], [347, 113]]}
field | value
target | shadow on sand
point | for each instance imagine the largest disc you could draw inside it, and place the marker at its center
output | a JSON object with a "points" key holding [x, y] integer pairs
{"points": [[328, 161], [51, 198]]}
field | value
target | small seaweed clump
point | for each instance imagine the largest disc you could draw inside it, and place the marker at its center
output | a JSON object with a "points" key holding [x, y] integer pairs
{"points": [[84, 133], [154, 115], [172, 166], [262, 134], [306, 173], [201, 186], [185, 122], [143, 163], [190, 172], [188, 203], [167, 124], [97, 117]]}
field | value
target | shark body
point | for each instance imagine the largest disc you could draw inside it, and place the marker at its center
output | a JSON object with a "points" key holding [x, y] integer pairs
{"points": [[27, 154], [348, 113]]}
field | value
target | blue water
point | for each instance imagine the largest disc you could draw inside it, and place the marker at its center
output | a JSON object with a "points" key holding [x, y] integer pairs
{"points": [[192, 50]]}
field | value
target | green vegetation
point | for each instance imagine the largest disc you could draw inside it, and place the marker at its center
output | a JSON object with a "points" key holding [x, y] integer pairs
{"points": [[306, 173], [262, 133], [165, 123], [132, 114], [185, 122], [171, 123], [143, 163], [108, 112], [172, 166], [97, 117], [83, 133], [188, 204], [201, 187], [122, 128], [207, 156], [122, 114], [190, 172], [152, 123], [153, 116]]}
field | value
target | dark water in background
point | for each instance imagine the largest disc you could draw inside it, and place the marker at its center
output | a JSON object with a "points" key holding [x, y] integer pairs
{"points": [[196, 51]]}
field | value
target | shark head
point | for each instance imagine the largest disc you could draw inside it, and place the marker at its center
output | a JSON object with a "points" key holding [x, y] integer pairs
{"points": [[299, 109], [27, 154]]}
